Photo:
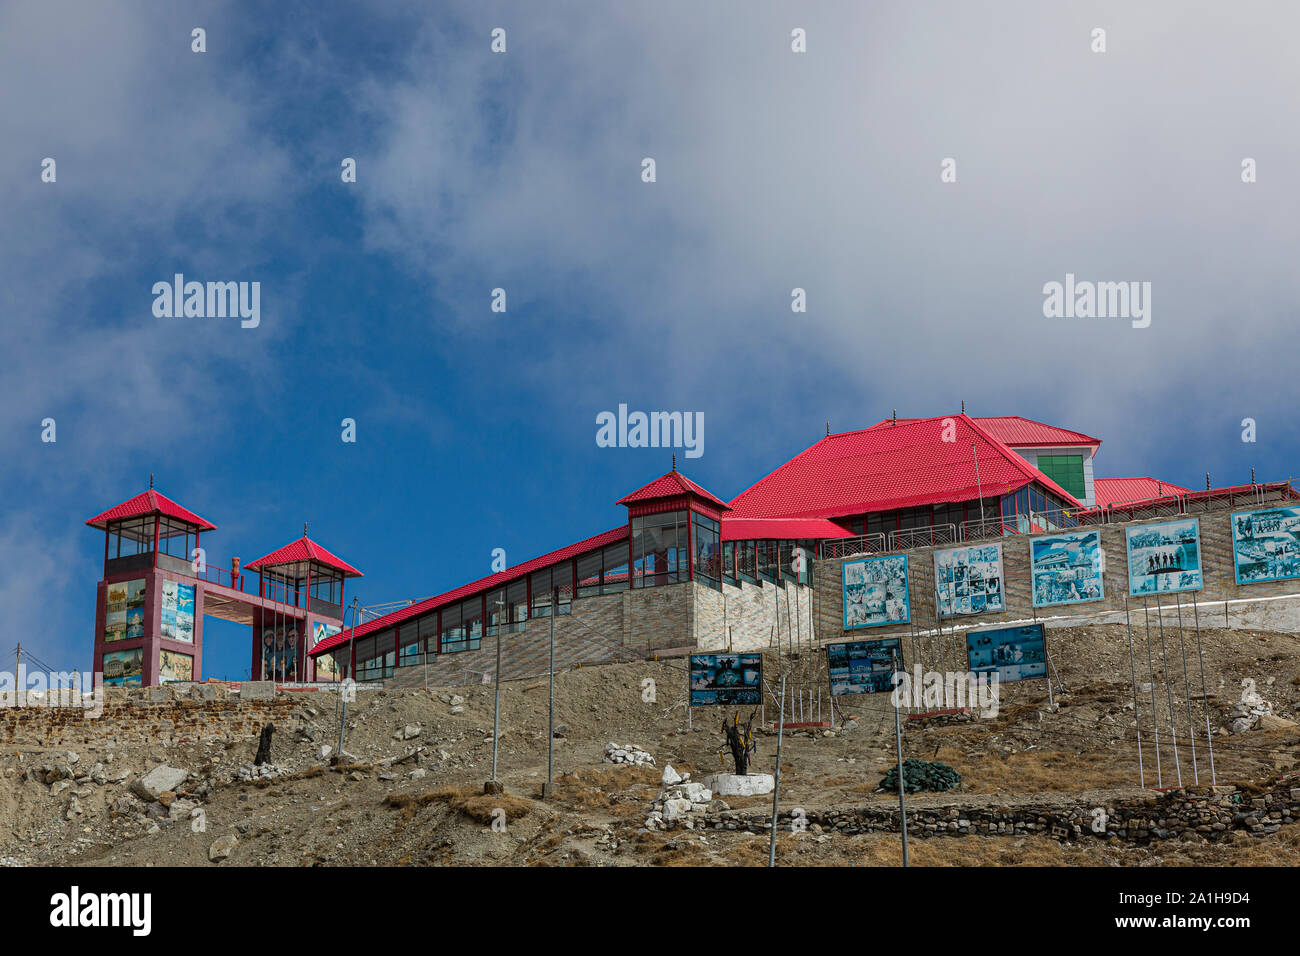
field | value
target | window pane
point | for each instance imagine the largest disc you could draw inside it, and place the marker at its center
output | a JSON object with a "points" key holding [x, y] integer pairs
{"points": [[615, 574], [589, 567]]}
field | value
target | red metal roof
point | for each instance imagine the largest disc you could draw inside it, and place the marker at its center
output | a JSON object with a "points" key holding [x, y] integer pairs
{"points": [[670, 486], [150, 502], [488, 583], [898, 466], [304, 549], [786, 529], [1017, 432], [1107, 491]]}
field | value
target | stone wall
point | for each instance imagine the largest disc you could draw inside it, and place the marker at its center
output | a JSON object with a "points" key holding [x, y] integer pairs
{"points": [[1216, 563], [162, 716], [632, 624], [752, 616], [1210, 813]]}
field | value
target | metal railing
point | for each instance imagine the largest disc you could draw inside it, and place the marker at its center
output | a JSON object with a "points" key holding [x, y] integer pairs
{"points": [[1040, 522], [1257, 495], [981, 529], [873, 543], [907, 538]]}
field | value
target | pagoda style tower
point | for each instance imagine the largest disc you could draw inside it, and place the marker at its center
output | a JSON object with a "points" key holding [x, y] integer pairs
{"points": [[149, 609], [302, 591]]}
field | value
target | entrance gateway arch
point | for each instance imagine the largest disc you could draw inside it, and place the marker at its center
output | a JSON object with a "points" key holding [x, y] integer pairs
{"points": [[157, 586]]}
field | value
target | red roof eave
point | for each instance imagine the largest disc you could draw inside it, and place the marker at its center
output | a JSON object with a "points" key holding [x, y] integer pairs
{"points": [[149, 502], [474, 587]]}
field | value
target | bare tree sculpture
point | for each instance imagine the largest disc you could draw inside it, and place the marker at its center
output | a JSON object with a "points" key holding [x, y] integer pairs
{"points": [[740, 740]]}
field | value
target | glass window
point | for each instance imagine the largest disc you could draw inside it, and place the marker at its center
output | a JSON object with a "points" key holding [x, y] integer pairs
{"points": [[766, 551], [708, 556], [562, 582], [517, 601], [541, 586], [615, 574], [589, 568], [429, 633], [747, 561], [453, 631], [1065, 470], [659, 549], [729, 561], [409, 641], [496, 610], [471, 613]]}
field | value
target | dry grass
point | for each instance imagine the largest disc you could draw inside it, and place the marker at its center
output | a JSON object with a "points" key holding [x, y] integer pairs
{"points": [[480, 807]]}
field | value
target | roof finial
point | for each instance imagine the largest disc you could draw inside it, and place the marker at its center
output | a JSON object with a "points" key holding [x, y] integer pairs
{"points": [[674, 461], [1207, 481], [1252, 474], [828, 429], [896, 416], [151, 480], [963, 406], [304, 529]]}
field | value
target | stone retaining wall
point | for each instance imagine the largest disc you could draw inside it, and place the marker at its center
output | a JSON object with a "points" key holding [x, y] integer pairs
{"points": [[1210, 813]]}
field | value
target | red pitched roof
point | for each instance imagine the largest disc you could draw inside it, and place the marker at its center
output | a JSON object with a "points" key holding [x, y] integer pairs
{"points": [[792, 529], [304, 549], [491, 582], [1108, 491], [671, 485], [149, 502], [898, 466], [1017, 432]]}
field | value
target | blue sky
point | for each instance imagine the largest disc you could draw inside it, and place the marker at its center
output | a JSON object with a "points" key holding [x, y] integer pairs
{"points": [[776, 170]]}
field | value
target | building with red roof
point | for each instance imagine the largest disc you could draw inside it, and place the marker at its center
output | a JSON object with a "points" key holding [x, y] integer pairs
{"points": [[895, 485], [684, 567], [157, 587]]}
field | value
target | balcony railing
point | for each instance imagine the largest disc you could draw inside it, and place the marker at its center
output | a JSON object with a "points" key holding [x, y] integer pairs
{"points": [[907, 538], [1039, 522]]}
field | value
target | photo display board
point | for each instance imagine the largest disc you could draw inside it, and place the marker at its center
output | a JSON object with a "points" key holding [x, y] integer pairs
{"points": [[1164, 558], [1014, 653], [124, 610], [1266, 544], [727, 679], [1066, 568], [173, 666], [968, 580], [863, 667], [124, 668], [327, 667], [875, 592], [178, 612]]}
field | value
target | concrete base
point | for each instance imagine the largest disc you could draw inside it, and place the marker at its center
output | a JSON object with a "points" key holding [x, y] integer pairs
{"points": [[257, 690], [734, 785], [494, 786]]}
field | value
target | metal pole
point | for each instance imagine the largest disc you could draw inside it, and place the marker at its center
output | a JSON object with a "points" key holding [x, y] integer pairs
{"points": [[776, 780], [898, 740], [1132, 669], [1169, 687], [496, 702], [1151, 673], [1187, 689], [1205, 698], [550, 733]]}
